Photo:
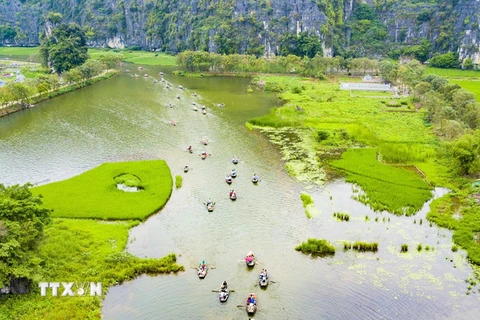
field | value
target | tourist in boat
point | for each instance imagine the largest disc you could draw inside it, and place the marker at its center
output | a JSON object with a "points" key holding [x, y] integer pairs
{"points": [[173, 123], [190, 149], [209, 203], [255, 176], [185, 169], [224, 286]]}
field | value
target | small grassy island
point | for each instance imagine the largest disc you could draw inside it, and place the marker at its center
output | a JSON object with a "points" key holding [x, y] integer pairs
{"points": [[94, 194], [316, 247], [87, 250]]}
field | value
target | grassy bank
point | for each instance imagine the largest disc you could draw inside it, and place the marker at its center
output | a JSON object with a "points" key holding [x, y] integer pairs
{"points": [[82, 251], [94, 194]]}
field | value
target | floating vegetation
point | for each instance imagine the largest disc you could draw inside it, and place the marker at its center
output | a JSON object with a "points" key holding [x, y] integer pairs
{"points": [[385, 187], [178, 181], [341, 216], [419, 247], [361, 246], [367, 218], [296, 146], [316, 247], [308, 205], [454, 248], [404, 248]]}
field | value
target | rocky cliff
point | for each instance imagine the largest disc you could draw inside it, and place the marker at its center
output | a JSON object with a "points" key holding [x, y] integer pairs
{"points": [[344, 27]]}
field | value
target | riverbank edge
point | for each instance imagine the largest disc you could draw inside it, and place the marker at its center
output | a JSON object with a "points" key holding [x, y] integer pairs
{"points": [[18, 106]]}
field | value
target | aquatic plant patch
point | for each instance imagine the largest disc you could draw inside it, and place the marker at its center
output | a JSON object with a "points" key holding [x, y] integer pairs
{"points": [[316, 247], [94, 194], [361, 246], [82, 251], [300, 158], [385, 187]]}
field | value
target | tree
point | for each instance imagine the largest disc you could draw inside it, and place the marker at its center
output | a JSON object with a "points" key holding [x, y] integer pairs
{"points": [[468, 64], [22, 219], [65, 49], [465, 152]]}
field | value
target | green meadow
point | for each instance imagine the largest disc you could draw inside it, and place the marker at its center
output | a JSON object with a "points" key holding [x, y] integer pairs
{"points": [[453, 73], [94, 194], [132, 56], [386, 187], [472, 85], [82, 251], [18, 51]]}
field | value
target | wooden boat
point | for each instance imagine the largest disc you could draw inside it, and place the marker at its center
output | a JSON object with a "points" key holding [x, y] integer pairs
{"points": [[204, 156], [202, 270], [224, 293], [255, 179], [180, 87], [204, 142], [195, 109], [234, 173], [203, 107], [233, 196], [160, 73], [263, 280], [145, 75], [210, 207], [250, 260], [155, 80], [178, 97], [251, 306], [235, 161], [228, 179], [204, 112]]}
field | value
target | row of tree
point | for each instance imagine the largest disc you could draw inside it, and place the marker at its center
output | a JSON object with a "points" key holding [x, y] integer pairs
{"points": [[201, 61]]}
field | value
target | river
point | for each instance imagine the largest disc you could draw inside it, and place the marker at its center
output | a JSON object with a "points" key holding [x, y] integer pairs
{"points": [[127, 118]]}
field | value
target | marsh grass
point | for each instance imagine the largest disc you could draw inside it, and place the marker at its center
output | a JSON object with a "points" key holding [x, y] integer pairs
{"points": [[316, 247], [93, 194], [404, 248], [361, 246], [178, 181], [341, 216], [393, 189], [308, 204], [306, 199], [82, 251], [466, 229]]}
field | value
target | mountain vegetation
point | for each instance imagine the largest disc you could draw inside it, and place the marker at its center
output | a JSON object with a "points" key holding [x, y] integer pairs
{"points": [[347, 28]]}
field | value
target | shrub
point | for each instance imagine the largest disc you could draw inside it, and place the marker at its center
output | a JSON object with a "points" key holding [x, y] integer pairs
{"points": [[322, 135]]}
